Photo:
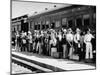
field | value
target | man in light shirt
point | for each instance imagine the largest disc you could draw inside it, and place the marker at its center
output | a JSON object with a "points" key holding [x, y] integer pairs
{"points": [[69, 38], [87, 40], [77, 40], [29, 41]]}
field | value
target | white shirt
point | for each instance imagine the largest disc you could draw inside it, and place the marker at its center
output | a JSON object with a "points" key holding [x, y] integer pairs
{"points": [[53, 41], [30, 38], [69, 37], [60, 36], [77, 37], [88, 37]]}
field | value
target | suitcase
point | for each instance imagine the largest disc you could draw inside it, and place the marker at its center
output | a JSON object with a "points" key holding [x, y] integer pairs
{"points": [[55, 54], [60, 55]]}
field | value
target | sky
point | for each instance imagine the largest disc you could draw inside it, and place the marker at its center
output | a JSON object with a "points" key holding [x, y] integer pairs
{"points": [[20, 8]]}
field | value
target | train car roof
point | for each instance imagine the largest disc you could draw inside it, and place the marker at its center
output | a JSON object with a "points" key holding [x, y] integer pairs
{"points": [[53, 11]]}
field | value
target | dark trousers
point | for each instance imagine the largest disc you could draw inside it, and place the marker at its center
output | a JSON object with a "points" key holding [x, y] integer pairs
{"points": [[68, 50], [30, 49], [80, 54], [24, 47], [79, 51]]}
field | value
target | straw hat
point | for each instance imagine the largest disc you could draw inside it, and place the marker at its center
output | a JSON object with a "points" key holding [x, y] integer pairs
{"points": [[78, 30], [29, 32], [89, 30], [64, 30], [70, 30]]}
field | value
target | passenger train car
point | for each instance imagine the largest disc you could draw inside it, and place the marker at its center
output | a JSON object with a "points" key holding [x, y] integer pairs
{"points": [[19, 24], [81, 16], [73, 16]]}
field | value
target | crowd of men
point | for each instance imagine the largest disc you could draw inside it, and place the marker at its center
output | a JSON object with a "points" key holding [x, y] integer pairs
{"points": [[62, 43]]}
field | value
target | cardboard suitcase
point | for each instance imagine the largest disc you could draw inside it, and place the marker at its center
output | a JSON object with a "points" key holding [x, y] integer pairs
{"points": [[56, 54]]}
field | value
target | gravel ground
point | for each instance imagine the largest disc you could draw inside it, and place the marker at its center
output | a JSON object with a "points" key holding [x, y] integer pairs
{"points": [[19, 69]]}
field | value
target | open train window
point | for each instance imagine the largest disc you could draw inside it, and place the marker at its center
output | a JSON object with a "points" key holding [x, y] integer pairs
{"points": [[47, 26], [43, 26], [52, 25], [19, 28], [35, 27], [70, 23], [79, 22], [38, 27]]}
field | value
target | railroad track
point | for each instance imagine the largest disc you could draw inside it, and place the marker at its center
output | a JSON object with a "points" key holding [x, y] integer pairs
{"points": [[29, 65]]}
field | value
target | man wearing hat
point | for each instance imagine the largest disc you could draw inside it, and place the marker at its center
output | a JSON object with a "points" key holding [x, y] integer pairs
{"points": [[29, 41], [24, 41], [87, 40], [64, 46], [69, 38], [77, 39]]}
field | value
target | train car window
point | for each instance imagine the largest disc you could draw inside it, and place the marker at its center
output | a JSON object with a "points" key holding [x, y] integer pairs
{"points": [[14, 29], [47, 26], [38, 27], [57, 23], [53, 25], [43, 26], [86, 20], [31, 25], [64, 21], [94, 19], [70, 23], [35, 27], [79, 22], [26, 26], [47, 22], [19, 27]]}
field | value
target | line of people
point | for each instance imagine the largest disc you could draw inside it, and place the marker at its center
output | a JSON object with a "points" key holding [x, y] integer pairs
{"points": [[63, 43]]}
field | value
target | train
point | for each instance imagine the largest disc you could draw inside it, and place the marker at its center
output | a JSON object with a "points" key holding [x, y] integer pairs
{"points": [[81, 16]]}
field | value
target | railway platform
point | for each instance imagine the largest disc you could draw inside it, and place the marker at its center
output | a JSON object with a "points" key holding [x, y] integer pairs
{"points": [[49, 64]]}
